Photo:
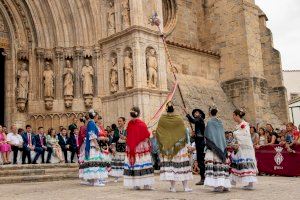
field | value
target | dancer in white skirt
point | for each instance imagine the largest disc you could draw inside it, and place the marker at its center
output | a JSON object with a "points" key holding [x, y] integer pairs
{"points": [[119, 150], [216, 162], [174, 157], [243, 167], [138, 168], [94, 166]]}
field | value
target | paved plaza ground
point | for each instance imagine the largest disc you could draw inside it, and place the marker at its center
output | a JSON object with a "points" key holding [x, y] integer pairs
{"points": [[268, 188]]}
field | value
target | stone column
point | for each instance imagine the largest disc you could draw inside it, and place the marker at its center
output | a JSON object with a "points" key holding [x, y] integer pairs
{"points": [[77, 64], [58, 66], [120, 63]]}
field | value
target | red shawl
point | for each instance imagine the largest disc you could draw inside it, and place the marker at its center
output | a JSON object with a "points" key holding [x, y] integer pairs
{"points": [[137, 132], [81, 135]]}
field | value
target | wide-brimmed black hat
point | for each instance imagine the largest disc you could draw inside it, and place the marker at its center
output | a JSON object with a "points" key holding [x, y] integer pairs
{"points": [[200, 111]]}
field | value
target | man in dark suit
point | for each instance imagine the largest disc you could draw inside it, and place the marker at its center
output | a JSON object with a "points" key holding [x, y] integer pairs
{"points": [[41, 143], [73, 144], [197, 118], [64, 142], [30, 145]]}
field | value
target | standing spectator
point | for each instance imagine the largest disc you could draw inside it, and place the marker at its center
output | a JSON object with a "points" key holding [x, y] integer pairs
{"points": [[16, 142], [263, 140], [73, 144], [254, 136], [63, 142], [197, 118], [41, 143], [52, 142], [29, 145], [73, 126], [155, 151], [4, 147], [272, 134]]}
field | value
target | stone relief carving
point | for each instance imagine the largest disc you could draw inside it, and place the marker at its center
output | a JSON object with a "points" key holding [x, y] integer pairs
{"points": [[87, 74], [22, 87], [125, 12], [114, 75], [111, 20], [152, 67], [128, 69], [48, 77], [68, 77]]}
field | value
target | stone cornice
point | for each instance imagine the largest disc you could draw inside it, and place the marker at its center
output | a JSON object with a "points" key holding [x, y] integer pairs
{"points": [[127, 32], [190, 47], [133, 92]]}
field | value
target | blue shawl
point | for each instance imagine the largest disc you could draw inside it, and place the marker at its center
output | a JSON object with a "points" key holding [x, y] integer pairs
{"points": [[215, 138], [90, 129]]}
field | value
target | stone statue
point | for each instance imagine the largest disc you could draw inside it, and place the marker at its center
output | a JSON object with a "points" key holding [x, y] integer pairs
{"points": [[22, 87], [48, 76], [68, 77], [128, 68], [125, 12], [114, 76], [152, 68], [23, 82], [87, 74], [111, 21]]}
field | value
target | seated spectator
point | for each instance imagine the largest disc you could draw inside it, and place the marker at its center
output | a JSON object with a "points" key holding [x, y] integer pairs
{"points": [[16, 142], [52, 142], [196, 169], [64, 142], [29, 145], [73, 144], [263, 138], [254, 136], [4, 130], [4, 147], [41, 143], [272, 135]]}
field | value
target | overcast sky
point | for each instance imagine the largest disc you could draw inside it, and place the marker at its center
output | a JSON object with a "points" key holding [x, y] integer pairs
{"points": [[284, 22]]}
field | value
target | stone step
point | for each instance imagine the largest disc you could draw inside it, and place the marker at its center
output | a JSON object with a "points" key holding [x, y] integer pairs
{"points": [[30, 172], [38, 178], [38, 166]]}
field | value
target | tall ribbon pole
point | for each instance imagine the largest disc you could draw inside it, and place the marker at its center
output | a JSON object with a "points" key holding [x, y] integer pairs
{"points": [[155, 21]]}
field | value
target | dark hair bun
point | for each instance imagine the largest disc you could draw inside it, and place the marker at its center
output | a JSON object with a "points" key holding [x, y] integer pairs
{"points": [[240, 113], [135, 112]]}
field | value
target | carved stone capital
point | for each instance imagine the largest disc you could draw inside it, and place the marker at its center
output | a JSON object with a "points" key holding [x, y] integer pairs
{"points": [[40, 53], [78, 52], [59, 52], [23, 54], [69, 53]]}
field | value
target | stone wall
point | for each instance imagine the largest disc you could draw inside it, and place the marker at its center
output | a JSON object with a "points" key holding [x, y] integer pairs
{"points": [[100, 45]]}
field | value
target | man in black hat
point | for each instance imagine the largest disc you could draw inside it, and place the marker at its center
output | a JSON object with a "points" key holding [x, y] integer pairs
{"points": [[197, 118]]}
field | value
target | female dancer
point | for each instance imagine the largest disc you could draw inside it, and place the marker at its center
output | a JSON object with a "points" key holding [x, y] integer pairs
{"points": [[244, 167], [138, 169], [174, 156], [94, 169]]}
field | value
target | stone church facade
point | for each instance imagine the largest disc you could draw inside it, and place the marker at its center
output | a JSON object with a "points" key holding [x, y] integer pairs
{"points": [[63, 57]]}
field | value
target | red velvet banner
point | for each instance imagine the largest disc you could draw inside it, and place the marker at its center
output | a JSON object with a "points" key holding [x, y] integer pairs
{"points": [[275, 159]]}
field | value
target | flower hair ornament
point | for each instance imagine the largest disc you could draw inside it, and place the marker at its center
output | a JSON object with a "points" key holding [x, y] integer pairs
{"points": [[91, 111], [213, 107]]}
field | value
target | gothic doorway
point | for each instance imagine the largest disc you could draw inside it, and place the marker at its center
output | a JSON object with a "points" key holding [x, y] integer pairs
{"points": [[2, 86]]}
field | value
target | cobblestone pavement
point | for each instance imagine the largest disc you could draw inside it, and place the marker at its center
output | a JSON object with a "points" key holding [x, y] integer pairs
{"points": [[268, 188]]}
